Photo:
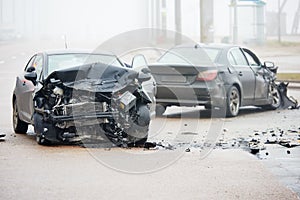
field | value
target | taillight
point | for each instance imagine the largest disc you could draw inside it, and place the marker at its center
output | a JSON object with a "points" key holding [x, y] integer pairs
{"points": [[208, 75]]}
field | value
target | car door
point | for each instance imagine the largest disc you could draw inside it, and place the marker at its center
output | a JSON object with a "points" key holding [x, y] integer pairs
{"points": [[244, 72], [25, 89], [261, 82]]}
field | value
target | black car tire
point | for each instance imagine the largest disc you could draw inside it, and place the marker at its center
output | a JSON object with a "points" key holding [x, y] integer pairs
{"points": [[159, 110], [132, 141], [140, 127], [41, 140], [18, 125], [232, 102], [38, 129], [276, 98], [208, 107]]}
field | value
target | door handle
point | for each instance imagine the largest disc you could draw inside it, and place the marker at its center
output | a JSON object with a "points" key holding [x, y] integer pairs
{"points": [[240, 73]]}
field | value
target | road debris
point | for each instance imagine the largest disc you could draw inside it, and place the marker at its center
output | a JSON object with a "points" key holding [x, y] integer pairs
{"points": [[150, 145], [260, 140]]}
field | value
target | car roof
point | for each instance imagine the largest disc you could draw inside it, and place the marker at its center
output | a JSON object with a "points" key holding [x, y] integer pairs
{"points": [[74, 51], [207, 45]]}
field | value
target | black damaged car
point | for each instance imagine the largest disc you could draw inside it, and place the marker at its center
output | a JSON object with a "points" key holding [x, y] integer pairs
{"points": [[219, 76], [72, 95]]}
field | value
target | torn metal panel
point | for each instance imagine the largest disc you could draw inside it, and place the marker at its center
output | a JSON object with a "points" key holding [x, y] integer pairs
{"points": [[286, 102]]}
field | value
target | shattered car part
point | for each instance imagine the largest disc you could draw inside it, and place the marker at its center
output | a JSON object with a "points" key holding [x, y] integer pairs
{"points": [[287, 102]]}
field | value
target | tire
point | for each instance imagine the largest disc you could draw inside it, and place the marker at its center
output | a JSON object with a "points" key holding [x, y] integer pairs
{"points": [[137, 142], [38, 129], [41, 140], [138, 132], [276, 98], [133, 140], [208, 107], [19, 126], [233, 102], [136, 135], [159, 110]]}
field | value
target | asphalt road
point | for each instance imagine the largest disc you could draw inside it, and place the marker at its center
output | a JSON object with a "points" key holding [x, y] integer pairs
{"points": [[184, 166]]}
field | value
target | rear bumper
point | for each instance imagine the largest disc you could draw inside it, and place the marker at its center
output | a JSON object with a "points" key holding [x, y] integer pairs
{"points": [[191, 95]]}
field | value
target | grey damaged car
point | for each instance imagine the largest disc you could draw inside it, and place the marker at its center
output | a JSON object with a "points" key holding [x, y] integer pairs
{"points": [[71, 95], [225, 77]]}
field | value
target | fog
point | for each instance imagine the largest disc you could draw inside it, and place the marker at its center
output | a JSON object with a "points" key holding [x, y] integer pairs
{"points": [[101, 19], [89, 19]]}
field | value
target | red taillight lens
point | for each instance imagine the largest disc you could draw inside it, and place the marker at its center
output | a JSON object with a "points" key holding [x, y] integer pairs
{"points": [[208, 75]]}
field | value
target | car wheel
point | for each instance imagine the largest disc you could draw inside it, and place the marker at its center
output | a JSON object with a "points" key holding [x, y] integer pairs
{"points": [[276, 98], [41, 140], [208, 107], [159, 110], [138, 132], [233, 102], [18, 125], [131, 136], [38, 129], [138, 142]]}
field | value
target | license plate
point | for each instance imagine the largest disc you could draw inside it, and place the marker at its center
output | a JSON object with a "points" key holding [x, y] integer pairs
{"points": [[173, 79]]}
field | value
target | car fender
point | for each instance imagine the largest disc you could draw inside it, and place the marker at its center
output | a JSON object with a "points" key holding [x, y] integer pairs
{"points": [[234, 81]]}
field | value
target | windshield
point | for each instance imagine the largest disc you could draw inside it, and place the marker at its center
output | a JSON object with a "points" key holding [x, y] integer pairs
{"points": [[63, 61], [191, 55]]}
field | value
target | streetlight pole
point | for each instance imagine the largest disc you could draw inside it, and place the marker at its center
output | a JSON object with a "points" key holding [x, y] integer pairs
{"points": [[235, 22], [279, 22], [178, 21]]}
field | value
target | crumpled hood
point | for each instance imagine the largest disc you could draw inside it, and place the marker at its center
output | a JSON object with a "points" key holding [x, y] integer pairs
{"points": [[96, 77]]}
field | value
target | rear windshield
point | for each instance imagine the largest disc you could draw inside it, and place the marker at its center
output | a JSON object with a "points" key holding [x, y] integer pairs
{"points": [[190, 55]]}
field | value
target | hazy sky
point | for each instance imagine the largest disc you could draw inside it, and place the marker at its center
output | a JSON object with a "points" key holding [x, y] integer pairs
{"points": [[92, 19]]}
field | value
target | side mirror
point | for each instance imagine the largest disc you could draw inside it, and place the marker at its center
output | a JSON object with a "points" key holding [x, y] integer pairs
{"points": [[270, 66], [31, 76], [30, 69], [142, 77], [139, 64], [146, 70]]}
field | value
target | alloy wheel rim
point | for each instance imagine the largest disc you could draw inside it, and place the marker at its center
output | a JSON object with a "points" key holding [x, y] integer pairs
{"points": [[234, 102], [15, 116], [275, 96]]}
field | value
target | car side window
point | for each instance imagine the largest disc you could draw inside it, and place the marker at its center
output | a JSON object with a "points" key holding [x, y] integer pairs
{"points": [[38, 65], [251, 57], [35, 64], [251, 60], [231, 59], [239, 57]]}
